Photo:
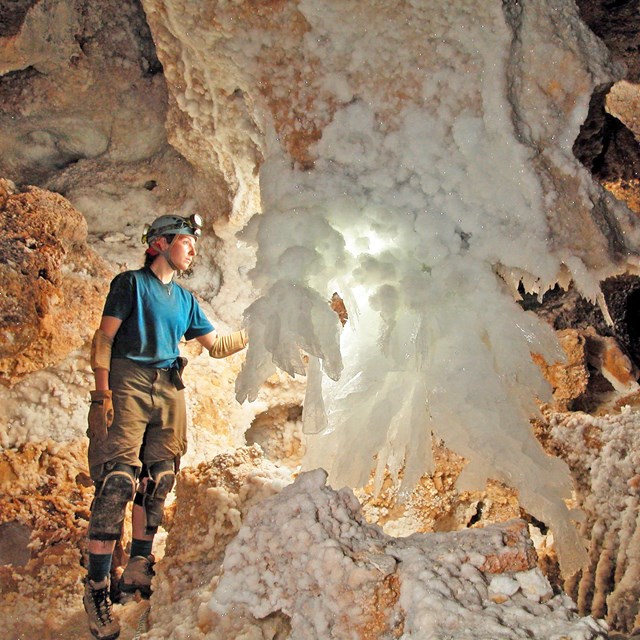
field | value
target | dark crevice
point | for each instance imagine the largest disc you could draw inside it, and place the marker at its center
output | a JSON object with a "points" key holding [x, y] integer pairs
{"points": [[82, 42], [605, 146], [622, 294], [593, 139], [541, 526], [149, 60], [616, 23], [568, 310], [477, 516], [12, 15], [616, 4], [152, 67], [19, 75]]}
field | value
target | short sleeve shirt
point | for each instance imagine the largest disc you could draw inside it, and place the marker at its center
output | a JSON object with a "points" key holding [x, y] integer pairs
{"points": [[155, 317]]}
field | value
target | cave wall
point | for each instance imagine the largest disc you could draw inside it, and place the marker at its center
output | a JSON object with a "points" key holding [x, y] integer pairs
{"points": [[100, 131]]}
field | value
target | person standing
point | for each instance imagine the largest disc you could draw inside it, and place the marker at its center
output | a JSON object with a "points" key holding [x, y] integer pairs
{"points": [[137, 416]]}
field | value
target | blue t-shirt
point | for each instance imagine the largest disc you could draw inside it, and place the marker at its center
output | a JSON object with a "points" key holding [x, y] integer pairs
{"points": [[155, 317]]}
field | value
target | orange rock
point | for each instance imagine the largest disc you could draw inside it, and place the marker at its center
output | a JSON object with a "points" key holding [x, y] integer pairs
{"points": [[52, 282], [569, 380]]}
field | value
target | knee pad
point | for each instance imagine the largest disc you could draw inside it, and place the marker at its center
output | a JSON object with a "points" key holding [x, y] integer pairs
{"points": [[110, 503], [160, 481]]}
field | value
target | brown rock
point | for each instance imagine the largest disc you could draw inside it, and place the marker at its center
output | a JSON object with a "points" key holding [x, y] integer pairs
{"points": [[47, 502], [596, 366], [518, 553], [52, 283], [605, 355], [569, 380]]}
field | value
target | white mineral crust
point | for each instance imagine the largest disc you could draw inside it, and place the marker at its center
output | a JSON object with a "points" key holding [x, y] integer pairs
{"points": [[307, 553]]}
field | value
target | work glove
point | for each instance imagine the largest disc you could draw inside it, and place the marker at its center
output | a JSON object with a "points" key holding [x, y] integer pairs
{"points": [[224, 346], [100, 415]]}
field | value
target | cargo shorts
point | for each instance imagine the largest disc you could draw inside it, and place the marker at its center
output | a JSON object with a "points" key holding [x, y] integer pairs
{"points": [[149, 409]]}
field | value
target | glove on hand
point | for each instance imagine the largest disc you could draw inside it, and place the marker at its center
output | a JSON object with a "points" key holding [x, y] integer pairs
{"points": [[100, 415], [224, 346]]}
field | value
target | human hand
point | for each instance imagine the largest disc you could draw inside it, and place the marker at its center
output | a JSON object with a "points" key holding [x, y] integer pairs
{"points": [[100, 414]]}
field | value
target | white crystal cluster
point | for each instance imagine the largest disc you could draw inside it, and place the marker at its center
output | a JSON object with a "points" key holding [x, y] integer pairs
{"points": [[307, 553], [211, 502], [411, 209]]}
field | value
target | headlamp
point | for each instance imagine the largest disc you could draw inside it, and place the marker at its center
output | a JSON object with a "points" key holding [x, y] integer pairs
{"points": [[173, 225], [145, 232], [195, 222]]}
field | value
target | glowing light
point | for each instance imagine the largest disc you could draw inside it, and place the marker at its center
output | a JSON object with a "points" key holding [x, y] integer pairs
{"points": [[369, 242]]}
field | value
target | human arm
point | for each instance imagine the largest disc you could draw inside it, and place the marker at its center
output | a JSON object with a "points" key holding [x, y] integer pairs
{"points": [[223, 346], [101, 350], [101, 411]]}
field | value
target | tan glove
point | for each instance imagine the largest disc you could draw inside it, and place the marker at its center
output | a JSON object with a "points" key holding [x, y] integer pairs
{"points": [[100, 415], [224, 346]]}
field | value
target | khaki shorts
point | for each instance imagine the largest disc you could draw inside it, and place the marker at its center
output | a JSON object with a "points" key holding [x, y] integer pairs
{"points": [[148, 408]]}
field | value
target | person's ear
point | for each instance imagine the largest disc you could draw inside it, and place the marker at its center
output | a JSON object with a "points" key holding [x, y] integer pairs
{"points": [[160, 244]]}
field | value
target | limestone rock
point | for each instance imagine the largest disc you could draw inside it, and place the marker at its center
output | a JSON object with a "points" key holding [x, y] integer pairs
{"points": [[571, 378], [45, 494], [604, 454], [596, 369], [52, 282]]}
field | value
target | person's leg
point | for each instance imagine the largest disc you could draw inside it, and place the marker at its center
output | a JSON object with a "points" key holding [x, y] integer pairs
{"points": [[113, 492], [114, 466], [148, 510], [132, 388], [142, 542], [100, 554], [139, 572], [164, 443]]}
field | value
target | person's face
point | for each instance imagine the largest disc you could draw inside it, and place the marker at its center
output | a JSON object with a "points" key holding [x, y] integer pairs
{"points": [[183, 251]]}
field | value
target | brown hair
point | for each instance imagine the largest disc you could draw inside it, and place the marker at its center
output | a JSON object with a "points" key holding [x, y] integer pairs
{"points": [[148, 258]]}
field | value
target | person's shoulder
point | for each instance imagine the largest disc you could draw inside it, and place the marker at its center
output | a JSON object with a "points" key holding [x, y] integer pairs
{"points": [[129, 276], [143, 273]]}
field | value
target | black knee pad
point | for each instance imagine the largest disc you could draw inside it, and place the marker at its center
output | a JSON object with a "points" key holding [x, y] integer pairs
{"points": [[109, 506], [161, 479]]}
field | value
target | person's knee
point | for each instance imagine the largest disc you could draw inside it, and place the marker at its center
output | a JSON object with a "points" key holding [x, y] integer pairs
{"points": [[109, 506], [153, 492]]}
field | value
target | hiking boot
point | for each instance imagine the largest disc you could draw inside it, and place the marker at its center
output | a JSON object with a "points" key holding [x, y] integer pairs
{"points": [[137, 576], [97, 603]]}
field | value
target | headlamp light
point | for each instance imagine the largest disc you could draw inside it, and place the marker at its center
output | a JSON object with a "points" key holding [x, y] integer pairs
{"points": [[195, 222]]}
